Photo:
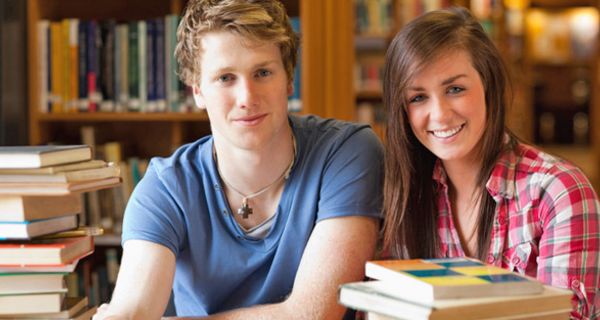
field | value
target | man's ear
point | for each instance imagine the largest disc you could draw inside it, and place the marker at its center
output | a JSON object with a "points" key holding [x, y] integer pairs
{"points": [[198, 99]]}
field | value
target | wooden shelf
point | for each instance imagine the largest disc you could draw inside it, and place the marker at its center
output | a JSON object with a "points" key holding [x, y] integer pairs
{"points": [[369, 95], [123, 117]]}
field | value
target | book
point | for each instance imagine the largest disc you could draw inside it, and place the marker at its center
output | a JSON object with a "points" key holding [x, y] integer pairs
{"points": [[426, 280], [90, 164], [376, 296], [27, 283], [65, 176], [22, 304], [42, 156], [17, 208], [45, 252], [59, 268], [546, 315], [34, 228], [56, 188], [71, 307]]}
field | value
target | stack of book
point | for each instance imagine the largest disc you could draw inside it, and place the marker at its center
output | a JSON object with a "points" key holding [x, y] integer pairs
{"points": [[454, 288], [41, 240]]}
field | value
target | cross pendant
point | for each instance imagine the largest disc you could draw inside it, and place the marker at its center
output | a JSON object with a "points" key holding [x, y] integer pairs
{"points": [[244, 210]]}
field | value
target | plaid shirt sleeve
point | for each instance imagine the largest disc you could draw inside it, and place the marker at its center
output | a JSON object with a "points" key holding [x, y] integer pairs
{"points": [[569, 249]]}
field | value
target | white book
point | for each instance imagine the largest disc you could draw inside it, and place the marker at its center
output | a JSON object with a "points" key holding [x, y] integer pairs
{"points": [[65, 176], [30, 229]]}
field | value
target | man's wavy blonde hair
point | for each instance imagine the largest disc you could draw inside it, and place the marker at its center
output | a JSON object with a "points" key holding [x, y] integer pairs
{"points": [[256, 20]]}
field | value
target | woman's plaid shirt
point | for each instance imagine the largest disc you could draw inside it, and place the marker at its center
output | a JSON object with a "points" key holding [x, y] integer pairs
{"points": [[547, 224]]}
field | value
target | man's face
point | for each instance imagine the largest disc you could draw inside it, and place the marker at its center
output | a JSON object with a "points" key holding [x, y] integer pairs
{"points": [[244, 88]]}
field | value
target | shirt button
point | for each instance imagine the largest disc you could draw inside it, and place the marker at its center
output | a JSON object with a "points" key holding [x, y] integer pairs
{"points": [[516, 260], [491, 259], [224, 211], [575, 284], [216, 186]]}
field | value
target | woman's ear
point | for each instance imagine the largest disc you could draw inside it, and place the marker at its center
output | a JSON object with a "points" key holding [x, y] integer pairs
{"points": [[198, 99]]}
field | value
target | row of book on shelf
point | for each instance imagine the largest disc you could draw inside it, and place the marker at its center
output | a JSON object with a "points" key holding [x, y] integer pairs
{"points": [[452, 288], [41, 235], [103, 65], [109, 66]]}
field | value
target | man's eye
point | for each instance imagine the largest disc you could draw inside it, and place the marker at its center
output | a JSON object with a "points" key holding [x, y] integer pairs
{"points": [[225, 78], [263, 73]]}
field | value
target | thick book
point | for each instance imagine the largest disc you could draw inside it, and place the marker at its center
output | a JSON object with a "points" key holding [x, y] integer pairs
{"points": [[35, 228], [28, 303], [17, 208], [56, 188], [376, 296], [426, 280], [42, 156], [47, 252], [29, 283], [65, 176], [58, 268], [72, 307]]}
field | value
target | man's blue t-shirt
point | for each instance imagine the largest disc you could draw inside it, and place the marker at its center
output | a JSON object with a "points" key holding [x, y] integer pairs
{"points": [[180, 204]]}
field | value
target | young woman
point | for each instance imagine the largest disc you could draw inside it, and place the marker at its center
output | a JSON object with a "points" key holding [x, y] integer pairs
{"points": [[457, 183]]}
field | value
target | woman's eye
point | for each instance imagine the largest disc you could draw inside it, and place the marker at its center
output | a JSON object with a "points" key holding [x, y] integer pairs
{"points": [[455, 90], [416, 99]]}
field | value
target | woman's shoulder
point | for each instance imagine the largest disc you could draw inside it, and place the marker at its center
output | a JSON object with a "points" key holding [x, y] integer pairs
{"points": [[538, 167]]}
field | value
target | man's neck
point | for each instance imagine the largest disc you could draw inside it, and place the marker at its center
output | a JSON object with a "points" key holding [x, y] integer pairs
{"points": [[249, 170]]}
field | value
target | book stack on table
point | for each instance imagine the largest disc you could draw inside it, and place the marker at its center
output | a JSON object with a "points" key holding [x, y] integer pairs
{"points": [[453, 288], [41, 240]]}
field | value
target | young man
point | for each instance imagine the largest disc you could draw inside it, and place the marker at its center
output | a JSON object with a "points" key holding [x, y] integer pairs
{"points": [[268, 216]]}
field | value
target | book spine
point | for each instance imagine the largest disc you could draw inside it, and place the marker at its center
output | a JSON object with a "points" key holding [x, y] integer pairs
{"points": [[159, 65], [82, 102], [57, 68], [107, 62], [133, 73], [43, 65], [123, 72], [142, 63], [150, 66], [74, 65]]}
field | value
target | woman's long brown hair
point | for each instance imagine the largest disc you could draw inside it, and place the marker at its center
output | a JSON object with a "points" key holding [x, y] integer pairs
{"points": [[410, 195]]}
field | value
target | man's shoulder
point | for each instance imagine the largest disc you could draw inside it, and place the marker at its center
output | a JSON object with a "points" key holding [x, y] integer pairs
{"points": [[317, 131], [187, 157]]}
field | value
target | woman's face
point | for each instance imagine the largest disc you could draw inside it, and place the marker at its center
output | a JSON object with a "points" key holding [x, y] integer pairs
{"points": [[446, 107]]}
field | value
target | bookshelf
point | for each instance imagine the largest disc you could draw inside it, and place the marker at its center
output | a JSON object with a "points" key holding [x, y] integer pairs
{"points": [[561, 64]]}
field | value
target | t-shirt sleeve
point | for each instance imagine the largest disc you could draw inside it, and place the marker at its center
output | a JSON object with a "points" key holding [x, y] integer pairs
{"points": [[152, 214], [353, 178]]}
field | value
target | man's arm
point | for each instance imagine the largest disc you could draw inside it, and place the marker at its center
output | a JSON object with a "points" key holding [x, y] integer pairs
{"points": [[144, 283], [336, 253]]}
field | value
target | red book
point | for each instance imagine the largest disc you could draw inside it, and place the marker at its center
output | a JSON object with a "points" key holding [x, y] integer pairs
{"points": [[46, 252]]}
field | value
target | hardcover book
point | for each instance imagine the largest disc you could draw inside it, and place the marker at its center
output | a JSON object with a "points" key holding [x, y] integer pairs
{"points": [[66, 176], [17, 208], [34, 228], [91, 164], [42, 156], [71, 307], [56, 188], [376, 296], [22, 304], [47, 252], [427, 280], [29, 283]]}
